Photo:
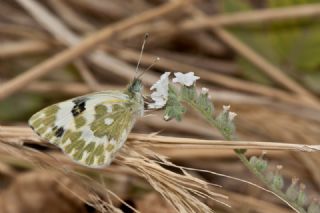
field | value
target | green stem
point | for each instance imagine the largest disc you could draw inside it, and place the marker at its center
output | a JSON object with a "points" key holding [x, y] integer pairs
{"points": [[262, 178], [244, 160]]}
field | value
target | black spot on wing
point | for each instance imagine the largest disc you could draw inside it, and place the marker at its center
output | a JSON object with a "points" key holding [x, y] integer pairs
{"points": [[79, 106], [58, 132]]}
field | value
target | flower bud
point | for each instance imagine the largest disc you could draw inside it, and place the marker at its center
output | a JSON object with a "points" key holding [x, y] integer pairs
{"points": [[204, 91], [292, 191], [277, 181], [302, 197]]}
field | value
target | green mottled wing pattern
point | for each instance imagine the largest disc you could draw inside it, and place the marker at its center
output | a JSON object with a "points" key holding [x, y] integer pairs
{"points": [[90, 129]]}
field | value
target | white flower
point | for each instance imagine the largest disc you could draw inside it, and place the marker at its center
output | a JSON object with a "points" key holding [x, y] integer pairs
{"points": [[204, 91], [226, 108], [187, 79], [160, 95], [232, 115]]}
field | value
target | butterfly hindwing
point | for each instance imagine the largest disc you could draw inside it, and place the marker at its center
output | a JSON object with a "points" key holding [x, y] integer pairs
{"points": [[90, 129]]}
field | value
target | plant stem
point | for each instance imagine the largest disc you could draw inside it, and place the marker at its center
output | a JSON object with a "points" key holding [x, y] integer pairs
{"points": [[244, 160], [262, 178]]}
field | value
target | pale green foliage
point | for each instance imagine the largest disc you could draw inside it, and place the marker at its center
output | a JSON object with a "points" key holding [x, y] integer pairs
{"points": [[188, 93], [277, 181], [302, 198], [201, 103], [314, 207], [292, 45], [292, 192], [205, 105], [260, 164], [173, 109], [224, 122], [296, 195]]}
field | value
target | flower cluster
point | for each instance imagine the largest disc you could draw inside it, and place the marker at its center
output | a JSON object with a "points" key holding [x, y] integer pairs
{"points": [[230, 115], [170, 98], [160, 94]]}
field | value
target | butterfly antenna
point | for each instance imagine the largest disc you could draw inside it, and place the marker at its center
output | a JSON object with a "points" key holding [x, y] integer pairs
{"points": [[141, 52], [151, 65]]}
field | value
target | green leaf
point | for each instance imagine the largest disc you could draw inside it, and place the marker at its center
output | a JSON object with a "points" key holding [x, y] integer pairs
{"points": [[188, 93], [225, 125], [205, 105], [173, 109]]}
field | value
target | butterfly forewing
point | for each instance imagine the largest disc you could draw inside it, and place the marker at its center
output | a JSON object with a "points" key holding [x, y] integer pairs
{"points": [[90, 129]]}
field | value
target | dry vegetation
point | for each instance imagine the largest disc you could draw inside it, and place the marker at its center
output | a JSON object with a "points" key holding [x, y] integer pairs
{"points": [[53, 49]]}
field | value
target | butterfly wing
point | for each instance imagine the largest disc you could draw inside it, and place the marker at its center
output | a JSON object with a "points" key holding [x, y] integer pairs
{"points": [[90, 129]]}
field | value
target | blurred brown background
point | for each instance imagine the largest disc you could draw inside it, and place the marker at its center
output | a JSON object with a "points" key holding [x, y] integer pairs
{"points": [[261, 57]]}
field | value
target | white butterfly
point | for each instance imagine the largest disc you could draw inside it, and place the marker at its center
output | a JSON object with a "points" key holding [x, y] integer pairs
{"points": [[91, 128]]}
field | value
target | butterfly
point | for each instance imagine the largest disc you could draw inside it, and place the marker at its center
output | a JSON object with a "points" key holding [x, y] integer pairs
{"points": [[92, 128]]}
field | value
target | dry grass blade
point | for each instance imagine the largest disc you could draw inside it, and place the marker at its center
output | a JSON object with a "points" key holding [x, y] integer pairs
{"points": [[13, 49], [261, 15], [183, 191], [83, 47], [147, 140], [189, 143], [87, 76], [265, 66], [273, 71], [60, 31], [180, 190], [70, 16]]}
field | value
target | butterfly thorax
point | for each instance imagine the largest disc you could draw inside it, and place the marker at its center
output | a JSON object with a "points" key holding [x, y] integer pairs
{"points": [[134, 91], [136, 86]]}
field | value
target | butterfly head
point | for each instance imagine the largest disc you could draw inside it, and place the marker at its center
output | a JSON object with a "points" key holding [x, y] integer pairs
{"points": [[136, 86]]}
